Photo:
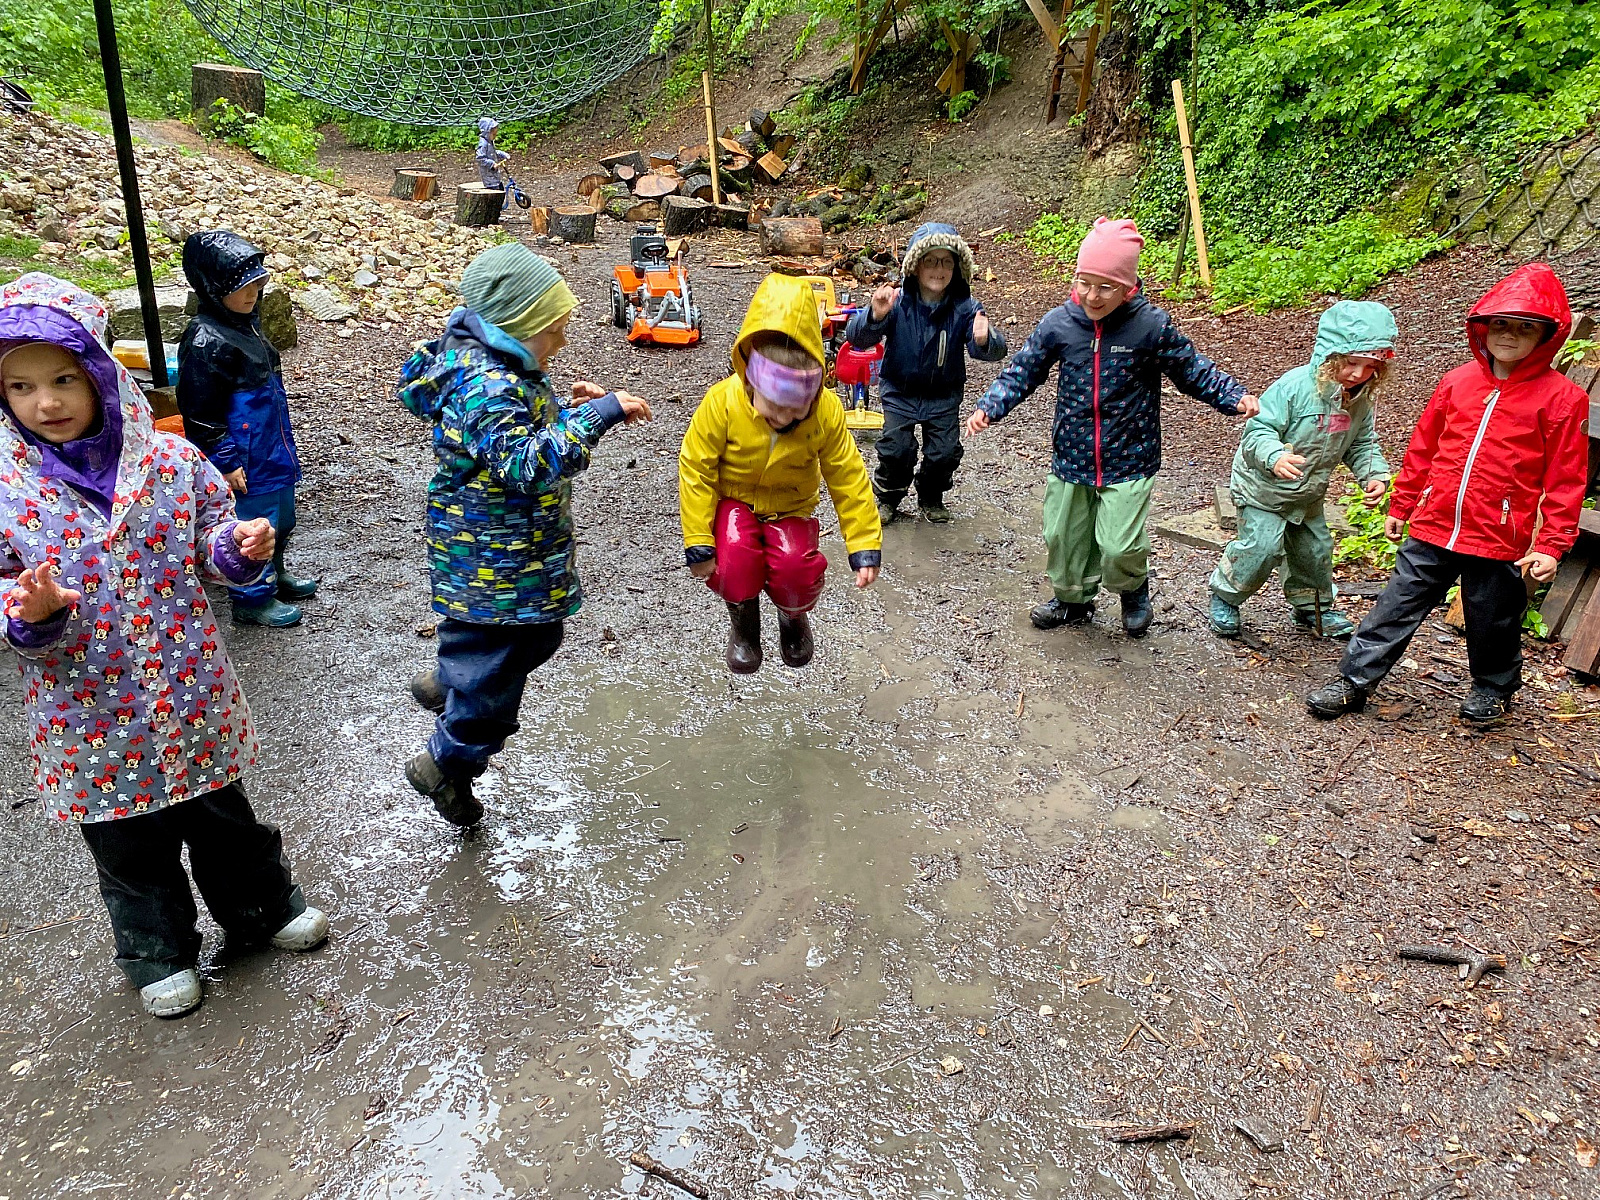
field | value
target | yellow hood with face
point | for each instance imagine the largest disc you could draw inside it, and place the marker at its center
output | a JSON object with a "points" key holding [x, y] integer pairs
{"points": [[782, 304]]}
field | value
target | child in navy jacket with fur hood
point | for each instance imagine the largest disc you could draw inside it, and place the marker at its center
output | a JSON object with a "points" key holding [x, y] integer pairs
{"points": [[929, 324], [1113, 347]]}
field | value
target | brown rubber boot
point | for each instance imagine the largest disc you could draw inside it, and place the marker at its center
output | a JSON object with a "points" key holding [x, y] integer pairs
{"points": [[744, 637], [794, 636]]}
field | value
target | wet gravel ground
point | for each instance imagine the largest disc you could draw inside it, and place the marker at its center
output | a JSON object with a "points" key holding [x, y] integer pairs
{"points": [[927, 919]]}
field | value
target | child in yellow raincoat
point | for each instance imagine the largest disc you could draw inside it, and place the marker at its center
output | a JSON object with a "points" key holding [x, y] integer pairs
{"points": [[750, 472]]}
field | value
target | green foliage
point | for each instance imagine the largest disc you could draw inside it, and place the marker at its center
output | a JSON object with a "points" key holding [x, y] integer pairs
{"points": [[1575, 351], [287, 147], [961, 104], [18, 247], [1533, 622], [1365, 543]]}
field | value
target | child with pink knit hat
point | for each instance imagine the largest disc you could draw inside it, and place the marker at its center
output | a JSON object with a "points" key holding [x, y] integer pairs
{"points": [[1113, 347]]}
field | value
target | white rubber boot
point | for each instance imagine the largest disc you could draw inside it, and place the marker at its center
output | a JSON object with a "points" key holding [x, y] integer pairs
{"points": [[172, 996], [306, 932]]}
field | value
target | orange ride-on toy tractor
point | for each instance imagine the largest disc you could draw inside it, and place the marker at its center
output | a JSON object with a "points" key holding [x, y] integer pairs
{"points": [[650, 296]]}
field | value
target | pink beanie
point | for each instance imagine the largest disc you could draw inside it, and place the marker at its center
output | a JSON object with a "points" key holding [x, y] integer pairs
{"points": [[1112, 250]]}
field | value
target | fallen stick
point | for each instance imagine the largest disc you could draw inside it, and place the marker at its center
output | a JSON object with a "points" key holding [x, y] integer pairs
{"points": [[1477, 964], [1314, 1109], [661, 1171], [1152, 1133]]}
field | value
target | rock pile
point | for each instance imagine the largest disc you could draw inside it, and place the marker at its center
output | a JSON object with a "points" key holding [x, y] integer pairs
{"points": [[356, 254]]}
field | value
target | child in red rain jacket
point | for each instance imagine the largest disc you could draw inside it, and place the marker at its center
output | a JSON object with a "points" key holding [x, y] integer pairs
{"points": [[1502, 444]]}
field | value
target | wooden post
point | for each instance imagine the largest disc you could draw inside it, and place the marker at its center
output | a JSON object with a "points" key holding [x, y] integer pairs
{"points": [[1086, 76], [1193, 183], [712, 151]]}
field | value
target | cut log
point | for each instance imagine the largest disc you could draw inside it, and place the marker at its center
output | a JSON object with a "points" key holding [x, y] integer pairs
{"points": [[771, 167], [782, 144], [572, 223], [791, 236], [241, 87], [684, 214], [656, 185], [732, 216], [632, 157], [662, 158], [589, 184], [477, 205], [539, 219], [411, 183], [612, 193], [644, 210], [691, 154], [751, 142], [625, 173], [698, 186], [740, 170], [731, 146], [761, 122]]}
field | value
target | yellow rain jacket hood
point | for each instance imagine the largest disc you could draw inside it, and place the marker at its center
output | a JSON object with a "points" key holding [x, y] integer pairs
{"points": [[730, 452]]}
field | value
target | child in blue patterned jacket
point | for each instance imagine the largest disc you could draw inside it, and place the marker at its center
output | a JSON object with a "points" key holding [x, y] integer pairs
{"points": [[499, 522], [1112, 346]]}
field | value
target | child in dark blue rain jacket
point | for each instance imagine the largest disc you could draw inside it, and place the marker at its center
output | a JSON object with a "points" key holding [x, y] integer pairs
{"points": [[929, 324], [231, 395]]}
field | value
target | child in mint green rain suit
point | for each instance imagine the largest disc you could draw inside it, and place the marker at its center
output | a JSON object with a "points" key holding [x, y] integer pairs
{"points": [[1311, 420]]}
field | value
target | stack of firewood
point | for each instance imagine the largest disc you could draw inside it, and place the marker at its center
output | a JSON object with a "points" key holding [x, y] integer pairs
{"points": [[676, 188]]}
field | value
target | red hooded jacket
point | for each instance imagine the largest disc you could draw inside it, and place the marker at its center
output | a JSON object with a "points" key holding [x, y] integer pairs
{"points": [[1488, 455]]}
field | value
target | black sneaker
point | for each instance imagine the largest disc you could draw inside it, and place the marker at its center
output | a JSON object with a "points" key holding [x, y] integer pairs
{"points": [[1053, 614], [1136, 611], [452, 797], [1336, 698], [1485, 707], [425, 690]]}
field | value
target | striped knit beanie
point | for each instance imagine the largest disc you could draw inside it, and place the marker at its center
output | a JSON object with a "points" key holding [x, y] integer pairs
{"points": [[512, 287]]}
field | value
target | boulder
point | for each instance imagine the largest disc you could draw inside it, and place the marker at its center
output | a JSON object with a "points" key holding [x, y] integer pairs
{"points": [[277, 317], [174, 305]]}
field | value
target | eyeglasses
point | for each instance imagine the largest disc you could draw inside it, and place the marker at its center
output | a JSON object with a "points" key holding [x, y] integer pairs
{"points": [[1101, 291]]}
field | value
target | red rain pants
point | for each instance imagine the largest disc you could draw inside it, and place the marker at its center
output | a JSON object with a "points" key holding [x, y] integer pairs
{"points": [[778, 556]]}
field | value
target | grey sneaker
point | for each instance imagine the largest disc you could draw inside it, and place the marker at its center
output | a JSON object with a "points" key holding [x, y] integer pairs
{"points": [[172, 996], [306, 932]]}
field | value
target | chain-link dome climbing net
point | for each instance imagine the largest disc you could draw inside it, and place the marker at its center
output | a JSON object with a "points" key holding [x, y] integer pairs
{"points": [[436, 62]]}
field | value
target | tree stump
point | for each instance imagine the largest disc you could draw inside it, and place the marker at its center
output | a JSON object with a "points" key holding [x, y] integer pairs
{"points": [[684, 214], [411, 183], [632, 157], [656, 185], [572, 223], [241, 87], [732, 216], [791, 236], [660, 159], [698, 186], [477, 205]]}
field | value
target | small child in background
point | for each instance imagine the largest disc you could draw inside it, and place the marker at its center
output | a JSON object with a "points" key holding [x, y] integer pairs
{"points": [[1492, 485], [140, 732], [1311, 420], [235, 408], [489, 156], [1112, 346], [500, 540], [929, 324], [749, 474]]}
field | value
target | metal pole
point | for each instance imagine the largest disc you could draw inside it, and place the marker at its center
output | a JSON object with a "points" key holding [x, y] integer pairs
{"points": [[117, 103]]}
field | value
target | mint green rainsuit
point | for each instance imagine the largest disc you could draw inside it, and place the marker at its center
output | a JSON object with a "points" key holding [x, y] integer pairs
{"points": [[1281, 521]]}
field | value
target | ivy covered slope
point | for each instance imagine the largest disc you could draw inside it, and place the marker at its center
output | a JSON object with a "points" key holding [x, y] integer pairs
{"points": [[1319, 125]]}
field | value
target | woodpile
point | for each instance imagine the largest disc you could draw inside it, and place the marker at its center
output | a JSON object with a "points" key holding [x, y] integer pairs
{"points": [[676, 187]]}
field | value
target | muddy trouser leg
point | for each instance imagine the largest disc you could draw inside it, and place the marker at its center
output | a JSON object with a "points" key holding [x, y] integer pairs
{"points": [[941, 455], [795, 565], [1250, 558], [897, 458], [1422, 575], [483, 670], [147, 894], [239, 865], [1308, 564], [1072, 560], [1493, 598], [1122, 533]]}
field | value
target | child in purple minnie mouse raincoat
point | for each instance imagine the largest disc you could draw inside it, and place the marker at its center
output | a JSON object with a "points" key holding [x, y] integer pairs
{"points": [[139, 730]]}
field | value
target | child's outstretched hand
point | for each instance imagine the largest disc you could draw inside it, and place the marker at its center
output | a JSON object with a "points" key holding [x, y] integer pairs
{"points": [[980, 328], [36, 596], [866, 576], [582, 389], [1288, 465], [634, 409], [1541, 566], [1374, 491], [703, 570], [255, 539], [977, 422], [1249, 406], [883, 300]]}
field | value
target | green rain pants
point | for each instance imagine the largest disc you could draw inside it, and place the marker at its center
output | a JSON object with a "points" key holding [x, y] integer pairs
{"points": [[1303, 549], [1096, 535]]}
